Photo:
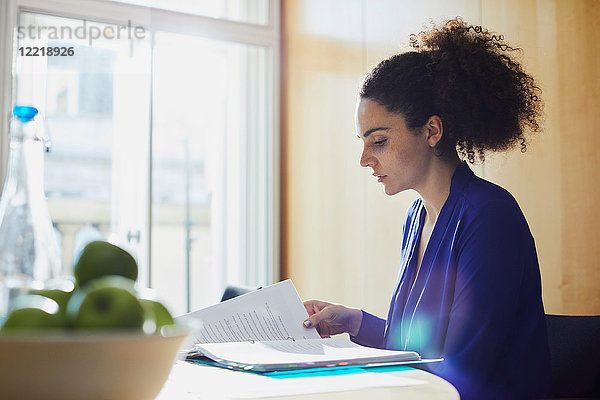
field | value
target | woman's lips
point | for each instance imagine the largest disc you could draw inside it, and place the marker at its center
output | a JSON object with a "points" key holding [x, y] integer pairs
{"points": [[380, 178]]}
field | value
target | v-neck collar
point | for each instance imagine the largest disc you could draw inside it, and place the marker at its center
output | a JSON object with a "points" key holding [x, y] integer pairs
{"points": [[460, 177]]}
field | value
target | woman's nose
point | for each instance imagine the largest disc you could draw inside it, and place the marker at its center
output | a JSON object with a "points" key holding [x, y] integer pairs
{"points": [[365, 159]]}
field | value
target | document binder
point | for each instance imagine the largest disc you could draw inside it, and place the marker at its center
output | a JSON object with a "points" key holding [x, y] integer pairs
{"points": [[262, 331]]}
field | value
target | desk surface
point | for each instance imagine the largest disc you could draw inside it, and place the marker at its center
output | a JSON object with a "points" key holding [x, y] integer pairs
{"points": [[193, 381]]}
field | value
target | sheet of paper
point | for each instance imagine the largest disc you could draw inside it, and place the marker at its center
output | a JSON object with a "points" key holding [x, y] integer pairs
{"points": [[274, 312], [193, 381], [335, 349]]}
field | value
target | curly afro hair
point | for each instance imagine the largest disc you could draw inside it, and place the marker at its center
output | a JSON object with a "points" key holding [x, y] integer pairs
{"points": [[466, 76]]}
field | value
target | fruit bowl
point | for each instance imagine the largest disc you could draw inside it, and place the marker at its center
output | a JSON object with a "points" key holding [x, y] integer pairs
{"points": [[82, 365]]}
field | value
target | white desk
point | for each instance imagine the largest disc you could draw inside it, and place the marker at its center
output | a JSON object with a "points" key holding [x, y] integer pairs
{"points": [[194, 381]]}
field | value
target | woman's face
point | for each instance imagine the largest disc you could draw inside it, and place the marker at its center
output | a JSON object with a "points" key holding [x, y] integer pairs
{"points": [[399, 158]]}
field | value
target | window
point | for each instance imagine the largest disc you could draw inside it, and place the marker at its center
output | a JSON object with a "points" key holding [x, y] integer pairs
{"points": [[249, 11], [162, 139]]}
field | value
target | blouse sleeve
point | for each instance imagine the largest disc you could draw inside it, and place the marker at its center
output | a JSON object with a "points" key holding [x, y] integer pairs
{"points": [[371, 331], [494, 250]]}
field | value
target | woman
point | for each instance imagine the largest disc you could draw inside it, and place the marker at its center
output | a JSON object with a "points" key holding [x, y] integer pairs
{"points": [[469, 287]]}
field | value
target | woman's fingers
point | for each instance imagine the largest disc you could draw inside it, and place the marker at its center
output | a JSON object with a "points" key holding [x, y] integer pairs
{"points": [[316, 318], [314, 306], [310, 307], [332, 319]]}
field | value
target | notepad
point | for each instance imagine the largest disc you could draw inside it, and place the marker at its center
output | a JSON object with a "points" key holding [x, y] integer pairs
{"points": [[262, 331]]}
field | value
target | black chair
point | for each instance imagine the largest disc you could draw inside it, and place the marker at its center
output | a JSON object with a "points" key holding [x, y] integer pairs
{"points": [[574, 356], [235, 291]]}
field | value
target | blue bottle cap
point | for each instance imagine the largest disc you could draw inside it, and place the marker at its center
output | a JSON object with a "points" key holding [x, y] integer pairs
{"points": [[24, 113]]}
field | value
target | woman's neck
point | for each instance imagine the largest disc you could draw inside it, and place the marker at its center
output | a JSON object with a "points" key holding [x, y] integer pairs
{"points": [[436, 186]]}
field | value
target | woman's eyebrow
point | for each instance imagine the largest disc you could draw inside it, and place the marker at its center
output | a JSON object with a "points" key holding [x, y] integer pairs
{"points": [[380, 128]]}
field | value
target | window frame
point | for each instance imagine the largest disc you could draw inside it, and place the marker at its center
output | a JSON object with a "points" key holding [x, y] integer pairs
{"points": [[153, 19]]}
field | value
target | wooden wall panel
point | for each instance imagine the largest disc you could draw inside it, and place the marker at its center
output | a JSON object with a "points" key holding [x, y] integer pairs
{"points": [[323, 225], [578, 37]]}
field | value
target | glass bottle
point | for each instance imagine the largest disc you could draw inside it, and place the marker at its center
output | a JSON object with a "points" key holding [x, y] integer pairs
{"points": [[29, 253]]}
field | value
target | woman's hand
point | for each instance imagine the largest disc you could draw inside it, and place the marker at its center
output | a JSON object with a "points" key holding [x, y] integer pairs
{"points": [[332, 319]]}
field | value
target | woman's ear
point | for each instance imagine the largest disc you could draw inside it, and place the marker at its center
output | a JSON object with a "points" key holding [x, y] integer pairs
{"points": [[435, 130]]}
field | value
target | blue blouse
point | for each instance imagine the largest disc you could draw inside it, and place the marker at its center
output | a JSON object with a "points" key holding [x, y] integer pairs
{"points": [[476, 300]]}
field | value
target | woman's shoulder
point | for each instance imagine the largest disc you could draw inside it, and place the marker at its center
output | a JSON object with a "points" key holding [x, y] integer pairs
{"points": [[482, 198]]}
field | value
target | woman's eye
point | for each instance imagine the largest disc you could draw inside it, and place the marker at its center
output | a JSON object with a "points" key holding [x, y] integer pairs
{"points": [[380, 142]]}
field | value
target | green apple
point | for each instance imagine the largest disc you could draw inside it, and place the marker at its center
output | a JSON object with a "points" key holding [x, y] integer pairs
{"points": [[101, 258], [106, 303], [33, 313], [156, 316]]}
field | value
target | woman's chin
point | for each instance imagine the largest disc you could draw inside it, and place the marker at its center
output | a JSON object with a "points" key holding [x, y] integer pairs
{"points": [[390, 191]]}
